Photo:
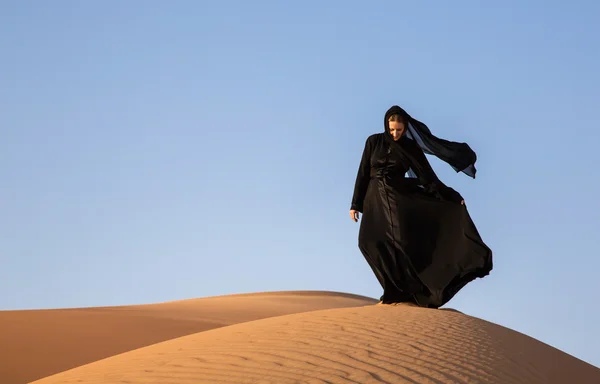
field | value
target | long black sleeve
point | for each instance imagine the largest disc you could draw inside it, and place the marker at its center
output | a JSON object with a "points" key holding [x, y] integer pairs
{"points": [[429, 179], [362, 178]]}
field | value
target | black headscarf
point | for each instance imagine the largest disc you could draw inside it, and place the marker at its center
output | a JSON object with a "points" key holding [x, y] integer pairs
{"points": [[458, 155]]}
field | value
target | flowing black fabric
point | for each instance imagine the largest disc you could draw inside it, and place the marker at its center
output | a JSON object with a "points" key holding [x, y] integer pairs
{"points": [[415, 234], [459, 155]]}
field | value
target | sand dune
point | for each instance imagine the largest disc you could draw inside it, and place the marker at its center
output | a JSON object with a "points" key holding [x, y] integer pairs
{"points": [[39, 343], [368, 344]]}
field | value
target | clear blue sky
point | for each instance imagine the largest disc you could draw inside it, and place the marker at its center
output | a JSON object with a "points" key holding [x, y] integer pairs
{"points": [[154, 151]]}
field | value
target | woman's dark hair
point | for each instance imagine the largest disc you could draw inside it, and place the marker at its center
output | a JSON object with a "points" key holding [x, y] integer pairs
{"points": [[398, 117]]}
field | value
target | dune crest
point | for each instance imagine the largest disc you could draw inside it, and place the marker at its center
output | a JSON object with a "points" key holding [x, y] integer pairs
{"points": [[39, 343], [369, 344]]}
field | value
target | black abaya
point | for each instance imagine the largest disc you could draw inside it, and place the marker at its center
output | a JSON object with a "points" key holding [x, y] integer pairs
{"points": [[415, 234]]}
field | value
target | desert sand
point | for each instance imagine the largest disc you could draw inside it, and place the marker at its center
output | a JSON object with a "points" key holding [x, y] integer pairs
{"points": [[39, 343], [322, 338]]}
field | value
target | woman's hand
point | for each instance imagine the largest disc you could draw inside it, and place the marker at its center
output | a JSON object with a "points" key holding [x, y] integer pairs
{"points": [[354, 215], [462, 202]]}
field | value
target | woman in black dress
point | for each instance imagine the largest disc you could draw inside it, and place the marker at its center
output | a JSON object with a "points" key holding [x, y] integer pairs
{"points": [[416, 233]]}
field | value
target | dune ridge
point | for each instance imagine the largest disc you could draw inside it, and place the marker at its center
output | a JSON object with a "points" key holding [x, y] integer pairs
{"points": [[361, 344], [38, 343]]}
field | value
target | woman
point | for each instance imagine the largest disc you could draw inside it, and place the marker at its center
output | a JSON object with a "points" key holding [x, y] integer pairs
{"points": [[415, 232]]}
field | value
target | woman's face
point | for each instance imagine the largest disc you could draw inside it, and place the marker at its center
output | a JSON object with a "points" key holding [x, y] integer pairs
{"points": [[396, 129]]}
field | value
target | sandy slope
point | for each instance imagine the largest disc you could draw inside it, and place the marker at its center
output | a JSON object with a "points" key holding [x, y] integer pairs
{"points": [[38, 343], [370, 344]]}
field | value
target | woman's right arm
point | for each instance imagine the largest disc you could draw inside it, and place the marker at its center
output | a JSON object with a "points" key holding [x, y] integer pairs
{"points": [[362, 178]]}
